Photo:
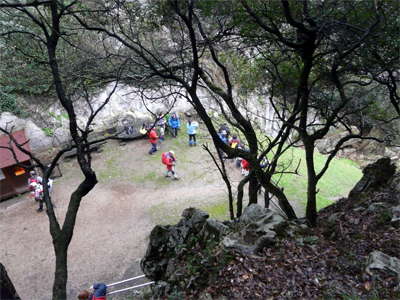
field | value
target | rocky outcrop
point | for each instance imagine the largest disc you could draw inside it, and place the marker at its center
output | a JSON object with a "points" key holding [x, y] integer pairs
{"points": [[362, 151], [7, 290], [47, 124], [173, 261], [353, 251], [167, 242], [375, 175], [38, 139], [260, 228]]}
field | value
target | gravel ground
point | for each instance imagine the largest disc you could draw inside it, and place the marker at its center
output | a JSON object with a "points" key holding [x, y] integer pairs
{"points": [[113, 222]]}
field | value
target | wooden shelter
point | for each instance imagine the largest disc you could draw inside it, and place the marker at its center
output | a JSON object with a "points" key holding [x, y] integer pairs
{"points": [[13, 177]]}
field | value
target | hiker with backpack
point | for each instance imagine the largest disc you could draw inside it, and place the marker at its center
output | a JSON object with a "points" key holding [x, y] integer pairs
{"points": [[245, 167], [153, 138], [169, 160], [174, 124]]}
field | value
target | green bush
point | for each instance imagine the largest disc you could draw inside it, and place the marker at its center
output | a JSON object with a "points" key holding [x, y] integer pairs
{"points": [[9, 102]]}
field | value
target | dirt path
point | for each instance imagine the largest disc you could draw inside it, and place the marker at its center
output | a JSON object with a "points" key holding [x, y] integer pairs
{"points": [[114, 220]]}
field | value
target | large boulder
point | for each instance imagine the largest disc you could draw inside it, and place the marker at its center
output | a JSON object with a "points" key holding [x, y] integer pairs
{"points": [[375, 176], [253, 213], [39, 140], [167, 242], [260, 227], [7, 290]]}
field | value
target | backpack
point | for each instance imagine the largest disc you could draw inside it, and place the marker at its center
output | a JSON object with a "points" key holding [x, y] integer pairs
{"points": [[165, 158], [32, 183]]}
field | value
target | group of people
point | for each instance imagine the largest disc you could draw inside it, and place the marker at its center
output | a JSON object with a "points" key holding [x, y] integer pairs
{"points": [[233, 142], [35, 183], [172, 124], [156, 135]]}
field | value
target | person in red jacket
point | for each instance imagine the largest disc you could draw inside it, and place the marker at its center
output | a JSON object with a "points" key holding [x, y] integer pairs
{"points": [[153, 138], [245, 166], [169, 159]]}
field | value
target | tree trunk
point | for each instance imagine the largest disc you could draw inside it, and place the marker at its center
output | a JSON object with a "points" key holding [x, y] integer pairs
{"points": [[282, 200], [266, 199], [61, 272], [7, 289], [253, 189], [311, 209], [240, 196], [230, 195]]}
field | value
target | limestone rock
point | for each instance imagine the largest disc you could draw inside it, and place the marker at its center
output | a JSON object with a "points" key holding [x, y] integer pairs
{"points": [[375, 175], [38, 140], [381, 261], [377, 206], [252, 213], [8, 119], [328, 144], [234, 242], [395, 221], [260, 230], [167, 241], [213, 227]]}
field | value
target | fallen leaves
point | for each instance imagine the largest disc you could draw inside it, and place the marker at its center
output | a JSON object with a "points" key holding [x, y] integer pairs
{"points": [[320, 267]]}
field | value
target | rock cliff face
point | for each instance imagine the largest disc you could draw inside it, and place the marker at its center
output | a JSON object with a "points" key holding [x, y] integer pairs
{"points": [[362, 151], [47, 123], [355, 250]]}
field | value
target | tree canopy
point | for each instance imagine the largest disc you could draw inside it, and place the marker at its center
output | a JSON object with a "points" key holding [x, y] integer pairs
{"points": [[319, 64]]}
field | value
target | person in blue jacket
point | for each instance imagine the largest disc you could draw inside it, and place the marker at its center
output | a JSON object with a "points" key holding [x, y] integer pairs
{"points": [[174, 123], [99, 293], [191, 127]]}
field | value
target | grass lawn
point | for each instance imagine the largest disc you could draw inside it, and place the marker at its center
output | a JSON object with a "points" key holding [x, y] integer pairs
{"points": [[337, 182]]}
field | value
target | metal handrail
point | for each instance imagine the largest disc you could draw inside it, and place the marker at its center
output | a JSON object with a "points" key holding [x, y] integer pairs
{"points": [[126, 280], [130, 288]]}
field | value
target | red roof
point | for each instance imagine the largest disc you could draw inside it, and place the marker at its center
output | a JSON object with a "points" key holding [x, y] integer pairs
{"points": [[6, 156]]}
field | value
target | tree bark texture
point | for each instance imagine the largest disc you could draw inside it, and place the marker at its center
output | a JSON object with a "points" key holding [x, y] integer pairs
{"points": [[311, 209], [253, 189], [240, 196], [7, 289], [61, 272]]}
